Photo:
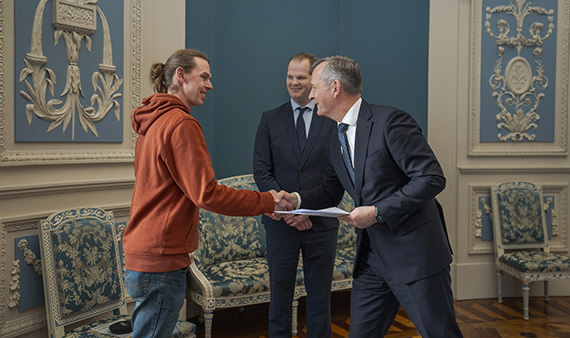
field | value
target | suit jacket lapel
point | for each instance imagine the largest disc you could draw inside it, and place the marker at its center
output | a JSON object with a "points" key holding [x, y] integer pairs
{"points": [[289, 123], [363, 130], [338, 164]]}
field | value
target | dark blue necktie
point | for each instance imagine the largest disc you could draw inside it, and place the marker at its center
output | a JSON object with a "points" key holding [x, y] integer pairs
{"points": [[345, 150], [301, 133]]}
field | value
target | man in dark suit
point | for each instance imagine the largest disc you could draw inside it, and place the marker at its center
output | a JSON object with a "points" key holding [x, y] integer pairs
{"points": [[291, 154], [384, 162]]}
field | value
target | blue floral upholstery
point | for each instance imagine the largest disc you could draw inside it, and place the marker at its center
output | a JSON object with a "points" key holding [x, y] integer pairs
{"points": [[245, 277], [536, 261], [520, 214], [83, 273], [230, 268], [522, 249], [346, 250]]}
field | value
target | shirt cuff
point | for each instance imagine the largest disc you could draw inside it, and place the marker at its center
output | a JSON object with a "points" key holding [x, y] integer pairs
{"points": [[298, 200]]}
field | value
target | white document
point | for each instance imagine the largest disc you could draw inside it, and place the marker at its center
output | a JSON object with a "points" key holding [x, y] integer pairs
{"points": [[328, 212]]}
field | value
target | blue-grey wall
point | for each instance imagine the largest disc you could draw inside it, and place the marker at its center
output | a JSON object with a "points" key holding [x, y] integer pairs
{"points": [[249, 43]]}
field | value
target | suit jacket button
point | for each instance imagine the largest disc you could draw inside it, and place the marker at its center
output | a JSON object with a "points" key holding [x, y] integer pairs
{"points": [[300, 172]]}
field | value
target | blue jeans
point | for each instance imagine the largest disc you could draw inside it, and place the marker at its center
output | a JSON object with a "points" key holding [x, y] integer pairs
{"points": [[159, 298]]}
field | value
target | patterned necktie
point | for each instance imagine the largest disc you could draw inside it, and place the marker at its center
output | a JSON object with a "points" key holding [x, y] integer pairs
{"points": [[345, 150], [301, 132]]}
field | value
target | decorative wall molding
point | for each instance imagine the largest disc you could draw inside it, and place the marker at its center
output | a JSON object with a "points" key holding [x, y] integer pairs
{"points": [[559, 241], [518, 90], [9, 230], [14, 299], [15, 328], [479, 222], [558, 206], [519, 121], [3, 130], [476, 245], [505, 169], [67, 187], [30, 257], [12, 153], [74, 23]]}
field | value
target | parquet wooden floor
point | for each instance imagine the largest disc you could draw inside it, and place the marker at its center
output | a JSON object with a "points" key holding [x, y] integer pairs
{"points": [[477, 318]]}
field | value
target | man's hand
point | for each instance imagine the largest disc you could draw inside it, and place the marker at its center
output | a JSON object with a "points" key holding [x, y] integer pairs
{"points": [[283, 201], [361, 217], [299, 222]]}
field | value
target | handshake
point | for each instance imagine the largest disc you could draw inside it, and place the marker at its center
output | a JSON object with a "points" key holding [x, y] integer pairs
{"points": [[285, 201], [361, 217]]}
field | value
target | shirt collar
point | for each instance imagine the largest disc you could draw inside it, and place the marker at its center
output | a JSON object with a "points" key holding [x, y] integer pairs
{"points": [[352, 114], [311, 105]]}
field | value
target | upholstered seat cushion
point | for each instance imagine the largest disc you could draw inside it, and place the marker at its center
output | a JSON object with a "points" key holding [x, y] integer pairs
{"points": [[535, 261], [182, 329], [243, 277]]}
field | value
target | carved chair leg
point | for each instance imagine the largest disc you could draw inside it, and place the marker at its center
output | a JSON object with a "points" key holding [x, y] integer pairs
{"points": [[208, 324], [546, 291], [294, 319], [201, 317], [500, 286], [526, 292]]}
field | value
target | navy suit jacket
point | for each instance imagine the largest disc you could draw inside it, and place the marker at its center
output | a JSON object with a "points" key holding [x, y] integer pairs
{"points": [[396, 171], [278, 163]]}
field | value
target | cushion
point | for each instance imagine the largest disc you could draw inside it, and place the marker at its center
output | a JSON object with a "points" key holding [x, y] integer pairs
{"points": [[182, 329], [536, 261]]}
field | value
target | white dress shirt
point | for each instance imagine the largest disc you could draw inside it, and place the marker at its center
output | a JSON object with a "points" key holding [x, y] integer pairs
{"points": [[350, 118]]}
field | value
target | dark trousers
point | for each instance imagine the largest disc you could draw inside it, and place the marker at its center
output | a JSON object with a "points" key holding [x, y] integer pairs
{"points": [[374, 302], [318, 250]]}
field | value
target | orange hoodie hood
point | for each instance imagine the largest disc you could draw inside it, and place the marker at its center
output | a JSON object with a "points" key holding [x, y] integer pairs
{"points": [[154, 107]]}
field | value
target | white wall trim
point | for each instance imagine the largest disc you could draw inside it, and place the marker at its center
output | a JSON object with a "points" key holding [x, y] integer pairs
{"points": [[65, 187]]}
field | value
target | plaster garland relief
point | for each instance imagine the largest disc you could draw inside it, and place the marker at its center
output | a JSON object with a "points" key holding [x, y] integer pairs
{"points": [[38, 79], [74, 22]]}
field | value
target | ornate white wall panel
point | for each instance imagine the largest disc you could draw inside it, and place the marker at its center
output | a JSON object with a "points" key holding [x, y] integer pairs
{"points": [[517, 85], [26, 153]]}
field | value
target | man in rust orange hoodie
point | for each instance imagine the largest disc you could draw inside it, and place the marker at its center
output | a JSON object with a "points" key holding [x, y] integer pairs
{"points": [[173, 179]]}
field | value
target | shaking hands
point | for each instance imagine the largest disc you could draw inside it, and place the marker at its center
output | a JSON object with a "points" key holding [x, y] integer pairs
{"points": [[282, 201], [361, 217], [288, 201]]}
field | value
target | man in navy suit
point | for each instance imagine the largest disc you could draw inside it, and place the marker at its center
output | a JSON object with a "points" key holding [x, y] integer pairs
{"points": [[291, 154], [381, 158]]}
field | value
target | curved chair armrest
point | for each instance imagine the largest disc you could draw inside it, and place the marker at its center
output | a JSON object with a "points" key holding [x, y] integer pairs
{"points": [[204, 284]]}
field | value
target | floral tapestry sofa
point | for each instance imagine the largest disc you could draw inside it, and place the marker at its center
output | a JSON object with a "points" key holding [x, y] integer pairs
{"points": [[230, 269]]}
